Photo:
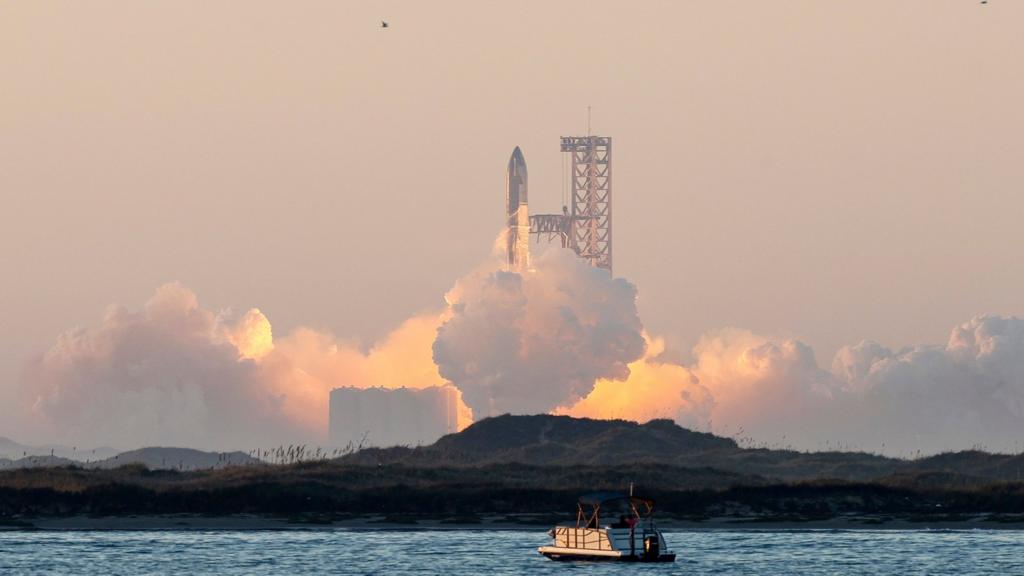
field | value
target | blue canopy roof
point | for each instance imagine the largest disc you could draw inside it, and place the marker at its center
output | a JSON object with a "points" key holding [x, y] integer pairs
{"points": [[599, 498]]}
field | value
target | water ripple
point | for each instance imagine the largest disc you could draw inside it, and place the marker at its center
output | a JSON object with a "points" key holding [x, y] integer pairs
{"points": [[495, 553]]}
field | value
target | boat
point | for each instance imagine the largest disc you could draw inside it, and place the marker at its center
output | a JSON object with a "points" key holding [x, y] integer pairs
{"points": [[632, 538]]}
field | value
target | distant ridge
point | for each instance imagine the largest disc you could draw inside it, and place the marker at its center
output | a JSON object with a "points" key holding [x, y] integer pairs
{"points": [[34, 462], [157, 458], [545, 440], [620, 445], [11, 450], [14, 451], [160, 458], [534, 465]]}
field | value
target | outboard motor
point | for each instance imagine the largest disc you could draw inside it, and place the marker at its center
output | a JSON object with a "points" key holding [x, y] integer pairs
{"points": [[652, 547]]}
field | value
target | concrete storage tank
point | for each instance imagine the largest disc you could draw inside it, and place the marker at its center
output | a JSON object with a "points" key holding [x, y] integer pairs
{"points": [[391, 416]]}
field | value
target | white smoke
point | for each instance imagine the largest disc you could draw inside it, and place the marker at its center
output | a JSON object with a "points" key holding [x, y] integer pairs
{"points": [[563, 337], [921, 400], [655, 388], [767, 389], [166, 374], [174, 373], [967, 393], [530, 343]]}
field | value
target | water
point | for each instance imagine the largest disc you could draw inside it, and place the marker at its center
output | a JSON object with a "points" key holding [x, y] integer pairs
{"points": [[492, 553]]}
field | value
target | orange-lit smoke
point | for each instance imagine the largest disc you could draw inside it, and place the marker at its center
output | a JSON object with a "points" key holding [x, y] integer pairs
{"points": [[654, 389], [740, 384], [563, 337], [305, 365], [176, 373], [762, 385], [529, 342], [251, 335]]}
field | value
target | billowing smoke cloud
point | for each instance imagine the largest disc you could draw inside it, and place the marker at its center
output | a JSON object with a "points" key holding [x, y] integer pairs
{"points": [[967, 393], [167, 374], [563, 337], [304, 366], [763, 389], [654, 389], [922, 400], [174, 373], [533, 342]]}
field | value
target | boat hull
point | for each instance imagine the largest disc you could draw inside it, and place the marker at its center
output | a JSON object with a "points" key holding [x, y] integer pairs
{"points": [[576, 555]]}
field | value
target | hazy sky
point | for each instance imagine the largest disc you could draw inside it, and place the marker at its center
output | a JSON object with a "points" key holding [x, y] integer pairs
{"points": [[830, 171]]}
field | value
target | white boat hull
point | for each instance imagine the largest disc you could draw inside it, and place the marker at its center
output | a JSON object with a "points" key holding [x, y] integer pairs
{"points": [[615, 544]]}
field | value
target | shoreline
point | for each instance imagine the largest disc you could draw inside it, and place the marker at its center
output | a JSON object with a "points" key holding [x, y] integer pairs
{"points": [[383, 523]]}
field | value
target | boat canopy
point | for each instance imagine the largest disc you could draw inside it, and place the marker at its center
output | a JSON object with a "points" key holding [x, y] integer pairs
{"points": [[598, 498], [639, 507]]}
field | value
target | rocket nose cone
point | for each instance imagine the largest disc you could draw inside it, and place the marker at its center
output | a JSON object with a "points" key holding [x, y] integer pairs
{"points": [[516, 163]]}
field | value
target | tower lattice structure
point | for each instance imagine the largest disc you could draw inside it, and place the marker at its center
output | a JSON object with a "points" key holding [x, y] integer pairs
{"points": [[585, 224]]}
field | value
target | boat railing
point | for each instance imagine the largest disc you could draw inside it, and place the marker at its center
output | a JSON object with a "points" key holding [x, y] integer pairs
{"points": [[582, 538], [630, 540]]}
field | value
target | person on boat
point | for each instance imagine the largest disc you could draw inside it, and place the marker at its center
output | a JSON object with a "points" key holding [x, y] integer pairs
{"points": [[625, 521]]}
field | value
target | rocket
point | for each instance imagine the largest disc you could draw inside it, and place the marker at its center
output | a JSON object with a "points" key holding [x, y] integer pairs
{"points": [[518, 215]]}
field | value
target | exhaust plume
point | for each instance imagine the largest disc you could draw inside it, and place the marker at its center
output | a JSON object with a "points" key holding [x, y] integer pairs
{"points": [[174, 373], [561, 337], [765, 392], [531, 342], [166, 374], [653, 389]]}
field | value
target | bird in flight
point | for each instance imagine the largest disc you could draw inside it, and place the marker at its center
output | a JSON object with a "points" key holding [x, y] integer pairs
{"points": [[383, 24]]}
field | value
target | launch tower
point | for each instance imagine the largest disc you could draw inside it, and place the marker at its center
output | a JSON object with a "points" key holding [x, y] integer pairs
{"points": [[585, 224]]}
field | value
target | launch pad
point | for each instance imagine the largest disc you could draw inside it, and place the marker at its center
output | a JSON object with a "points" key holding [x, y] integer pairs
{"points": [[585, 224]]}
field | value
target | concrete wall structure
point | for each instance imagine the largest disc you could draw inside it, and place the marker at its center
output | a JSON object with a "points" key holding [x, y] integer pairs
{"points": [[391, 416]]}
